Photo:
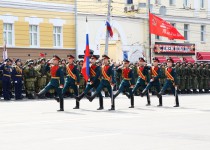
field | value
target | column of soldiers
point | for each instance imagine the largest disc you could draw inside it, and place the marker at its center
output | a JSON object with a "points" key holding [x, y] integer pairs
{"points": [[59, 78]]}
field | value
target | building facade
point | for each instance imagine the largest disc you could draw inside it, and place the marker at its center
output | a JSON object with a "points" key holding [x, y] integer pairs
{"points": [[129, 19], [29, 28]]}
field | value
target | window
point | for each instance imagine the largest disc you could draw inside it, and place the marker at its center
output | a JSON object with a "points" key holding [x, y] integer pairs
{"points": [[171, 2], [202, 3], [129, 1], [158, 2], [57, 35], [8, 34], [203, 33], [186, 3], [186, 31], [33, 31]]}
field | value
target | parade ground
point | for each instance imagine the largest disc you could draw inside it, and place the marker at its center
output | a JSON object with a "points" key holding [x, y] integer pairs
{"points": [[36, 125]]}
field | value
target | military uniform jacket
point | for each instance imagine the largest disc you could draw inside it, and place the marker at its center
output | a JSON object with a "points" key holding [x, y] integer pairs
{"points": [[95, 73], [155, 73], [143, 74], [108, 73], [57, 77], [17, 73], [171, 75], [7, 70], [72, 73], [128, 75]]}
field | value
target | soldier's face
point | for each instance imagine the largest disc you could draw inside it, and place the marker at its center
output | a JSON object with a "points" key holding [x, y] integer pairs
{"points": [[18, 63], [71, 60], [105, 60], [155, 63], [141, 63], [126, 64], [55, 61], [93, 60], [169, 64]]}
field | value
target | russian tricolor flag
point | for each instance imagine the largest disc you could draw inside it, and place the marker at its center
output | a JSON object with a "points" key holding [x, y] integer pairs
{"points": [[86, 65], [109, 29]]}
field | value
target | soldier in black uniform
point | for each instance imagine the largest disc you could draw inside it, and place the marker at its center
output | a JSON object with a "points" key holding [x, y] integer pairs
{"points": [[127, 82], [155, 72], [143, 78], [171, 81], [107, 81], [95, 73]]}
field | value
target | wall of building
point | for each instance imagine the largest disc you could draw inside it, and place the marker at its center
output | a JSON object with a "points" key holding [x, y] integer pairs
{"points": [[45, 14]]}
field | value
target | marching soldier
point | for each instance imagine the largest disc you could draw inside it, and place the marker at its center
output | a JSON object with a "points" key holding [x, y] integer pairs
{"points": [[95, 73], [72, 79], [171, 81], [127, 82], [6, 79], [56, 82], [107, 81], [155, 72], [143, 78], [17, 76]]}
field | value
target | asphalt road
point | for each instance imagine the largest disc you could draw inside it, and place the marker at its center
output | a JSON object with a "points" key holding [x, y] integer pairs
{"points": [[35, 125]]}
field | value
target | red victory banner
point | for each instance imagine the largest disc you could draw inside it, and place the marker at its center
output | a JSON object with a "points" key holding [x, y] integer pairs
{"points": [[161, 27]]}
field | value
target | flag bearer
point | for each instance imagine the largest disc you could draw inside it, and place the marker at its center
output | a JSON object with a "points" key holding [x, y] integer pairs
{"points": [[107, 81]]}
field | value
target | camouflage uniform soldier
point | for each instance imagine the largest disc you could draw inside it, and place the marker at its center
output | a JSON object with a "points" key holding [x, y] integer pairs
{"points": [[178, 73], [194, 79], [42, 75], [188, 84], [182, 77], [30, 75], [82, 80], [200, 78], [206, 78]]}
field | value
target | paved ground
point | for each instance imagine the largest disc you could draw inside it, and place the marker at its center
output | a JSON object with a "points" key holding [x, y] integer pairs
{"points": [[35, 125]]}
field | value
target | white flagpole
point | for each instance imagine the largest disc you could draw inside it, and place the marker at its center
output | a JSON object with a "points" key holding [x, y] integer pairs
{"points": [[5, 55]]}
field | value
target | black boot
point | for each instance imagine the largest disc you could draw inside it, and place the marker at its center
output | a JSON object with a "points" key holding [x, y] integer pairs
{"points": [[113, 104], [78, 98], [101, 103], [90, 98], [177, 101], [112, 108], [106, 94], [160, 102], [57, 99], [148, 100], [61, 104], [132, 102], [143, 93], [77, 105], [160, 94]]}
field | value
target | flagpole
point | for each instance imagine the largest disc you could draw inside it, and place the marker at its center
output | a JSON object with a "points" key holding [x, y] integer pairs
{"points": [[107, 32], [150, 39]]}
